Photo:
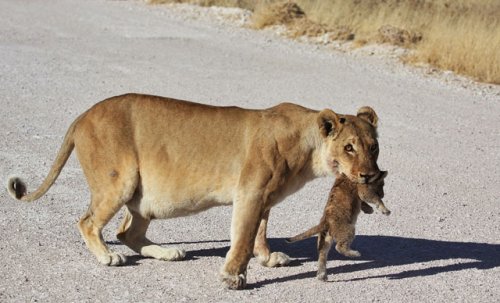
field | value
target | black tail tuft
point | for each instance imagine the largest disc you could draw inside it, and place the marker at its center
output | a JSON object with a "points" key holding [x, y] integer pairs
{"points": [[16, 188]]}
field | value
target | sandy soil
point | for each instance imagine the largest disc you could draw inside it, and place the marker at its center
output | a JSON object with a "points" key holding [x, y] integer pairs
{"points": [[439, 138]]}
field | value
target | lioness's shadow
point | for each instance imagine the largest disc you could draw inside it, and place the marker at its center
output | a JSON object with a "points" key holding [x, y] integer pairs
{"points": [[383, 251], [377, 251]]}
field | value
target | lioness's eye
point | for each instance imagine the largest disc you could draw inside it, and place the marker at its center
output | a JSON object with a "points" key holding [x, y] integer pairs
{"points": [[348, 148], [374, 147]]}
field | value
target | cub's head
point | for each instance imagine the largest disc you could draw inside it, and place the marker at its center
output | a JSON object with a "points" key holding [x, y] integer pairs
{"points": [[350, 143], [375, 187]]}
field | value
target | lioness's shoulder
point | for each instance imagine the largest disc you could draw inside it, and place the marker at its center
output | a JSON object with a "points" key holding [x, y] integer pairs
{"points": [[288, 108]]}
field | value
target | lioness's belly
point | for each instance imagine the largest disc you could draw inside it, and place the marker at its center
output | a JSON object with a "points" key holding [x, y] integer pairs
{"points": [[170, 199], [162, 197], [162, 208]]}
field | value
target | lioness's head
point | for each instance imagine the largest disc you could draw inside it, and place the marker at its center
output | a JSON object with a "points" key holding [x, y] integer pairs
{"points": [[350, 143]]}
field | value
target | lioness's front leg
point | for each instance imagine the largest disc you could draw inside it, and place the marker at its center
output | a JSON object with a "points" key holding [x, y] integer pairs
{"points": [[261, 248], [244, 224]]}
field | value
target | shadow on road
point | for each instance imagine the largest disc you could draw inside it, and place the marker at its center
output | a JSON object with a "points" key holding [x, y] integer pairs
{"points": [[377, 252], [382, 251]]}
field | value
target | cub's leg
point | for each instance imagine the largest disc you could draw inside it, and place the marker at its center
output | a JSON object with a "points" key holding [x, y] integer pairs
{"points": [[344, 235], [325, 241], [261, 248], [381, 206], [132, 232], [367, 209]]}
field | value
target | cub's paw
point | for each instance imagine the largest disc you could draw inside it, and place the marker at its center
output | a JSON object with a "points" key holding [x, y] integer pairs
{"points": [[346, 251], [349, 253], [233, 281], [386, 211], [321, 275], [112, 259], [162, 253], [352, 254]]}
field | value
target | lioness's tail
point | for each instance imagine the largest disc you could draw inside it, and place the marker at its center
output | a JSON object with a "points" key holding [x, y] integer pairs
{"points": [[307, 234], [17, 188]]}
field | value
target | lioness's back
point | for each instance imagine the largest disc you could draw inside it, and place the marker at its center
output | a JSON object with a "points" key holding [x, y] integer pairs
{"points": [[184, 150]]}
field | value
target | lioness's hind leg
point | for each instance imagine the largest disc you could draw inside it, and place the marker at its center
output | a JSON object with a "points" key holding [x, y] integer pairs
{"points": [[261, 248], [91, 225], [132, 233], [111, 168]]}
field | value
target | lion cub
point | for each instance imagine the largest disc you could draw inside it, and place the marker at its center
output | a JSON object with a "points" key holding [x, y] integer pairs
{"points": [[346, 200]]}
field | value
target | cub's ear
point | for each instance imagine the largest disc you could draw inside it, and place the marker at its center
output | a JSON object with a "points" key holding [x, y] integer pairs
{"points": [[384, 174], [368, 114], [329, 123]]}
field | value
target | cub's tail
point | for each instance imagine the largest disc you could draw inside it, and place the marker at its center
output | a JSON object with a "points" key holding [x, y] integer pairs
{"points": [[307, 234], [17, 187]]}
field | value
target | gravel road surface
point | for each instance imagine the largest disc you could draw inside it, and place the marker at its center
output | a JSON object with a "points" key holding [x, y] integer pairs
{"points": [[439, 139]]}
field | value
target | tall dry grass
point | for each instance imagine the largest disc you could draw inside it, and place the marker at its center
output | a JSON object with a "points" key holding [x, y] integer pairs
{"points": [[465, 45], [458, 35], [246, 4]]}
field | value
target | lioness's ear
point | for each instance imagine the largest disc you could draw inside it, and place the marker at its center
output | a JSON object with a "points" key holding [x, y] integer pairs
{"points": [[384, 174], [368, 114], [329, 123]]}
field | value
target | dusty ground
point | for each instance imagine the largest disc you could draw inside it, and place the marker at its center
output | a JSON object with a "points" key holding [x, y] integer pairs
{"points": [[439, 139]]}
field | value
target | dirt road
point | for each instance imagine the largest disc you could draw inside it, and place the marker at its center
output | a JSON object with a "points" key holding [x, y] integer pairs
{"points": [[439, 141]]}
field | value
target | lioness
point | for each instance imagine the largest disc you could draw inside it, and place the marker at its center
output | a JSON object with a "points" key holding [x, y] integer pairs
{"points": [[339, 217], [165, 158]]}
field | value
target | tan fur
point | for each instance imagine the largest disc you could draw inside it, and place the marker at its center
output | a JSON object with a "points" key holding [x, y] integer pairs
{"points": [[340, 215], [165, 158]]}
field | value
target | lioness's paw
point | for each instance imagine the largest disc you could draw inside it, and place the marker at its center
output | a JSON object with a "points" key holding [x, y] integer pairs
{"points": [[162, 253], [277, 259], [233, 281], [173, 254], [112, 259]]}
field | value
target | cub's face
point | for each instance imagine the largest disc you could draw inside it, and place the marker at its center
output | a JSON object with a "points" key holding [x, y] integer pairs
{"points": [[351, 143]]}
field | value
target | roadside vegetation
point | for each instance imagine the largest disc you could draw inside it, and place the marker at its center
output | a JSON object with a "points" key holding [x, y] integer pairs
{"points": [[458, 35]]}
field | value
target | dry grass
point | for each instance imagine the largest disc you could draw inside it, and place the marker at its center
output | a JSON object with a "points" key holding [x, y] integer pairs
{"points": [[469, 47], [458, 35], [246, 4], [298, 24]]}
